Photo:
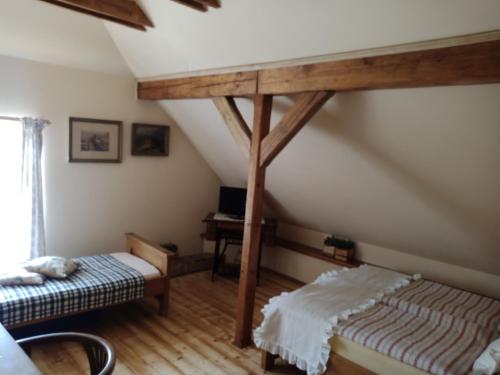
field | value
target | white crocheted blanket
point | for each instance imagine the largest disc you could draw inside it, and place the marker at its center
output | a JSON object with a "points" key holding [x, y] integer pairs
{"points": [[298, 326]]}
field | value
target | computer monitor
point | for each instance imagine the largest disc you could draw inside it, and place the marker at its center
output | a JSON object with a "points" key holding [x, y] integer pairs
{"points": [[232, 201]]}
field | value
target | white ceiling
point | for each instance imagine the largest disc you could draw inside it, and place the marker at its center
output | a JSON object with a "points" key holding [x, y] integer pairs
{"points": [[35, 30]]}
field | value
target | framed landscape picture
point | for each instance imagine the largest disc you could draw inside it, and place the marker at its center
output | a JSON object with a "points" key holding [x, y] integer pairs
{"points": [[97, 141], [150, 140]]}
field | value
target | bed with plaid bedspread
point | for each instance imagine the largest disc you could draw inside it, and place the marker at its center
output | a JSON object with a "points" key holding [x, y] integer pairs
{"points": [[434, 327], [100, 281]]}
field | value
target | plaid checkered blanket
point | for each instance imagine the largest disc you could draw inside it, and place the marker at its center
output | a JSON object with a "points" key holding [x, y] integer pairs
{"points": [[100, 281]]}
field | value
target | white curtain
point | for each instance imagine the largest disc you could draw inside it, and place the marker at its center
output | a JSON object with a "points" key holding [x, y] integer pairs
{"points": [[32, 181]]}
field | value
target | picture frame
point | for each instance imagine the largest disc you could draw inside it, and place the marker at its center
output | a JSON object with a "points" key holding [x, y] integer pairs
{"points": [[150, 140], [95, 141]]}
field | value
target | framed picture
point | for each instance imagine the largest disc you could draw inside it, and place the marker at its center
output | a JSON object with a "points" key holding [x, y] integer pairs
{"points": [[96, 141], [150, 140]]}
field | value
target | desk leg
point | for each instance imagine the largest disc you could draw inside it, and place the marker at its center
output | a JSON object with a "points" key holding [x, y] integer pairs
{"points": [[258, 261], [215, 264]]}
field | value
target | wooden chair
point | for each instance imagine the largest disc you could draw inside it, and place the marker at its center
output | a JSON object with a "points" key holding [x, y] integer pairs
{"points": [[100, 353]]}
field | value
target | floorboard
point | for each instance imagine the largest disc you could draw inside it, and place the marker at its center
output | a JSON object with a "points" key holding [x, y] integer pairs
{"points": [[194, 339]]}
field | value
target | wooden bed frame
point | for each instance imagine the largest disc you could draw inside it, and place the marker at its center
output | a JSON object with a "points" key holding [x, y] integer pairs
{"points": [[161, 259], [350, 358], [158, 287]]}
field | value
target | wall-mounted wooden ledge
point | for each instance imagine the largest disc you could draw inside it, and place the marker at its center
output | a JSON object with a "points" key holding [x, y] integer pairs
{"points": [[313, 252], [462, 60]]}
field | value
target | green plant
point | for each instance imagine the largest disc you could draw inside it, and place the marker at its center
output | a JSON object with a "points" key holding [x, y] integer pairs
{"points": [[339, 242], [171, 246]]}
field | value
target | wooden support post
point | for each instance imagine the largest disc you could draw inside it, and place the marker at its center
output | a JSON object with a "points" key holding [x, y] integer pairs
{"points": [[253, 216]]}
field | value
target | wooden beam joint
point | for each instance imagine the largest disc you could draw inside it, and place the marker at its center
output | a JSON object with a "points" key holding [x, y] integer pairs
{"points": [[304, 108]]}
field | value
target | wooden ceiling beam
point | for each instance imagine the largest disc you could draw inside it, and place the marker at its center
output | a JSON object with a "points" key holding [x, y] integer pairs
{"points": [[304, 108], [231, 84], [468, 64], [210, 3], [193, 4], [460, 65], [235, 122], [125, 12]]}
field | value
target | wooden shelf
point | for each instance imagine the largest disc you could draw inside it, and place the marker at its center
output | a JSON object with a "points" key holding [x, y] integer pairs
{"points": [[313, 252]]}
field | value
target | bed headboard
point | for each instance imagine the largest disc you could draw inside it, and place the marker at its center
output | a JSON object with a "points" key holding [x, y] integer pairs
{"points": [[149, 251]]}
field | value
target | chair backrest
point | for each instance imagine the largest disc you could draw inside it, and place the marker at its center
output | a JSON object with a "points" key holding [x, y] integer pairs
{"points": [[100, 353]]}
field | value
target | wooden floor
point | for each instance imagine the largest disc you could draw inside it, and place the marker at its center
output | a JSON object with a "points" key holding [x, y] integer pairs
{"points": [[194, 339]]}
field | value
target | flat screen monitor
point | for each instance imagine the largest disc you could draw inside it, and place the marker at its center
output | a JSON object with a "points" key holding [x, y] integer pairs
{"points": [[232, 201]]}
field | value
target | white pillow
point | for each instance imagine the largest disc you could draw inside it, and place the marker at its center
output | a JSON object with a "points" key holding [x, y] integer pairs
{"points": [[488, 362], [51, 266], [21, 277]]}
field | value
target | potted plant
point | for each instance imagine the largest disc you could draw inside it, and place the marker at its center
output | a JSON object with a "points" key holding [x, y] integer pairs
{"points": [[344, 249], [329, 246], [340, 248], [170, 246]]}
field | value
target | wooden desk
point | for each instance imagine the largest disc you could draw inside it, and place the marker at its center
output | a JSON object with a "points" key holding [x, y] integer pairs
{"points": [[13, 360], [218, 230]]}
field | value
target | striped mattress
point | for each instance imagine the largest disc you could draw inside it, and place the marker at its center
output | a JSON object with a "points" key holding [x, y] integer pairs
{"points": [[430, 326]]}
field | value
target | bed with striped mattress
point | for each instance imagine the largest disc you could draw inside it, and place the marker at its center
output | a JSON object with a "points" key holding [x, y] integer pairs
{"points": [[382, 320], [433, 327]]}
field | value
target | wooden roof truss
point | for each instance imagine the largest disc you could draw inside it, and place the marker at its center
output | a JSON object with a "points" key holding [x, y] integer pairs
{"points": [[125, 12], [200, 5], [466, 60]]}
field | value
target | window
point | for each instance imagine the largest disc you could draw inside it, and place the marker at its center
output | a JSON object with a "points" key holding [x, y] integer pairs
{"points": [[15, 223]]}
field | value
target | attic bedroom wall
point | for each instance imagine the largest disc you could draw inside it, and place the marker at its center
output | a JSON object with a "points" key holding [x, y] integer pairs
{"points": [[410, 173], [89, 206], [307, 269]]}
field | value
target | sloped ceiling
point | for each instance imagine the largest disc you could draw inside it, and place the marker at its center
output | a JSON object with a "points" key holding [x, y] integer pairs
{"points": [[251, 31], [414, 170], [34, 30]]}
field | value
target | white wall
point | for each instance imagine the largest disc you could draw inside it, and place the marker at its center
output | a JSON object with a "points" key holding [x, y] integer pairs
{"points": [[89, 206], [306, 269], [414, 170]]}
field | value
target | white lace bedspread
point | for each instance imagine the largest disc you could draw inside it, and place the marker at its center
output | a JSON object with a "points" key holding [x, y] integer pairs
{"points": [[298, 325]]}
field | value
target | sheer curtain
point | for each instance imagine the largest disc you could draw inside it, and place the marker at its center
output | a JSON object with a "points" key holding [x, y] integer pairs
{"points": [[21, 193], [32, 181]]}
